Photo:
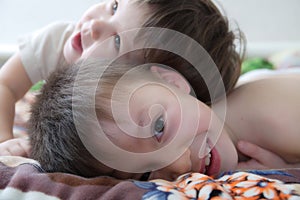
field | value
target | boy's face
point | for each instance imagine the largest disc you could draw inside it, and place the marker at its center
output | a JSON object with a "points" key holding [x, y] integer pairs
{"points": [[100, 28], [165, 120]]}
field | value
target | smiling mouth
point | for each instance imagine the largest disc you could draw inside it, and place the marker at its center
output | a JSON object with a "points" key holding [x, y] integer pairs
{"points": [[211, 164], [207, 161], [76, 43]]}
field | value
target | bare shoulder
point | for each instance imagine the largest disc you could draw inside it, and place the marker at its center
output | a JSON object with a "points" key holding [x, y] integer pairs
{"points": [[270, 87], [265, 74], [269, 108], [269, 96], [271, 100]]}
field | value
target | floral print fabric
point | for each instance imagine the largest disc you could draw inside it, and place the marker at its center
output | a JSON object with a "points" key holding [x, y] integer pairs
{"points": [[239, 185]]}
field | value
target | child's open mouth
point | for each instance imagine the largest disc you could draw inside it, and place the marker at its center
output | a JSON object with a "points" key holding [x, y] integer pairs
{"points": [[76, 43], [211, 163], [213, 166]]}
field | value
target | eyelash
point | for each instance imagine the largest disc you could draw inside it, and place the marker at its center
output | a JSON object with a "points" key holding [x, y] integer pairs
{"points": [[117, 41], [114, 7], [159, 135]]}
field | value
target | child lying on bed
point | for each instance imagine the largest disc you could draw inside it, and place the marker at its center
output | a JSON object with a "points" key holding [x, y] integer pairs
{"points": [[145, 120]]}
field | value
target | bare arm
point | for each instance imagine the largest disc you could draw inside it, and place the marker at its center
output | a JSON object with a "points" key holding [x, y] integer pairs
{"points": [[14, 83]]}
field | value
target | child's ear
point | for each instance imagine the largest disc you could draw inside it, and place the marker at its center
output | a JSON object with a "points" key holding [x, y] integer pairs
{"points": [[172, 77]]}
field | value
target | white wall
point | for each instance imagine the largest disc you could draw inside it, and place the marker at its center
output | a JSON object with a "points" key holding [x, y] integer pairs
{"points": [[270, 25], [18, 17]]}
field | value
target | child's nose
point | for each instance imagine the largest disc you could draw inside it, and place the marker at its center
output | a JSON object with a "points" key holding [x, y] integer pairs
{"points": [[101, 29]]}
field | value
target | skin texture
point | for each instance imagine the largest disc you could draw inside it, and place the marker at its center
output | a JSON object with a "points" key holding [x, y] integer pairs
{"points": [[270, 116]]}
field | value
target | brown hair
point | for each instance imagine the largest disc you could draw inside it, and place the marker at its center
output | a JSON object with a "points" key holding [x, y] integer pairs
{"points": [[53, 135], [202, 21], [64, 98]]}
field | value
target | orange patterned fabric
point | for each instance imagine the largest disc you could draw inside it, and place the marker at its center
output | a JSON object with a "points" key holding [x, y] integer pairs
{"points": [[240, 185]]}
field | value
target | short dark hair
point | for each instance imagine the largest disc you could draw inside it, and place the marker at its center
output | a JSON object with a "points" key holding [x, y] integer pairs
{"points": [[64, 100], [53, 135]]}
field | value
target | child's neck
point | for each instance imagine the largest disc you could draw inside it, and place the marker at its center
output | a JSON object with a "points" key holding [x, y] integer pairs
{"points": [[234, 137], [228, 128]]}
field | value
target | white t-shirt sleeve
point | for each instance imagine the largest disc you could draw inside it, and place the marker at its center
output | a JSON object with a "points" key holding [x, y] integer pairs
{"points": [[42, 51]]}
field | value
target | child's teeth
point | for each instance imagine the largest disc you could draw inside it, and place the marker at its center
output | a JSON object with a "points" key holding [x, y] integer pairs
{"points": [[207, 149], [207, 159]]}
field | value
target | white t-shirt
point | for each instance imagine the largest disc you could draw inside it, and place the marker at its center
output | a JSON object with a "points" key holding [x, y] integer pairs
{"points": [[42, 51]]}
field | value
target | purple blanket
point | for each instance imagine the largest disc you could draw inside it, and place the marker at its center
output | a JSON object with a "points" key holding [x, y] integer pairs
{"points": [[22, 178]]}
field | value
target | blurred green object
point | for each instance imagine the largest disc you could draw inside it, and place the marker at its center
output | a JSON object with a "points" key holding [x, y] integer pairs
{"points": [[255, 63], [37, 86]]}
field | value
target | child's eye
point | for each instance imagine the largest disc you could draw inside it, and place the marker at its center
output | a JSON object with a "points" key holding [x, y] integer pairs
{"points": [[115, 7], [159, 128], [117, 41]]}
